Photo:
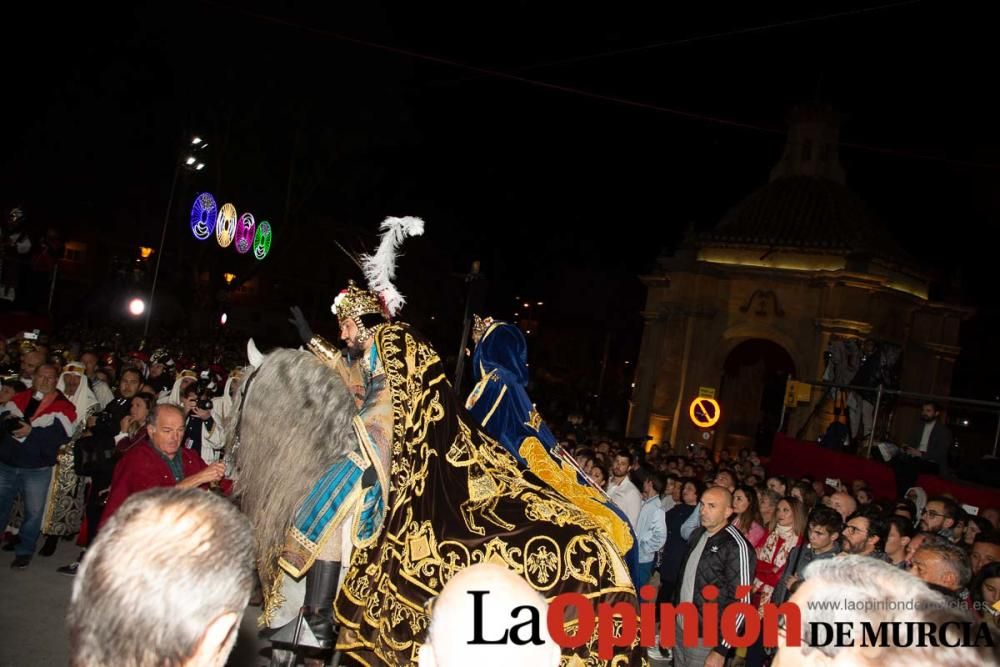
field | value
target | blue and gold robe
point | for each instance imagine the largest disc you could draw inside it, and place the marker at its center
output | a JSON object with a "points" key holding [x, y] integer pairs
{"points": [[500, 403]]}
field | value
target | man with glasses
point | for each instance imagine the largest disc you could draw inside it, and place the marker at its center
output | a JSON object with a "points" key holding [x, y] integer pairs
{"points": [[940, 516], [865, 534]]}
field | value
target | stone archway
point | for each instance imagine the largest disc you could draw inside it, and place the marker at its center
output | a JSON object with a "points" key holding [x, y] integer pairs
{"points": [[752, 392]]}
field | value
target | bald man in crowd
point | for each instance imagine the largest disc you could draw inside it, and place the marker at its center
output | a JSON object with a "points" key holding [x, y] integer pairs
{"points": [[496, 592]]}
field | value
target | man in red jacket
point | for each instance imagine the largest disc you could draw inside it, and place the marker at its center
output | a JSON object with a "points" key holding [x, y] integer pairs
{"points": [[33, 426], [162, 462]]}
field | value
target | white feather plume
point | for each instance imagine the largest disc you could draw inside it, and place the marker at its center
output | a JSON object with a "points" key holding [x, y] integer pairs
{"points": [[380, 268]]}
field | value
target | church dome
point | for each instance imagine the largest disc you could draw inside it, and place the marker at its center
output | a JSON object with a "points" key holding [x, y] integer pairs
{"points": [[806, 206], [808, 213]]}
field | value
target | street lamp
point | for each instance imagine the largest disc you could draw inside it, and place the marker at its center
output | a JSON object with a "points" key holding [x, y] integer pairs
{"points": [[198, 145], [136, 307]]}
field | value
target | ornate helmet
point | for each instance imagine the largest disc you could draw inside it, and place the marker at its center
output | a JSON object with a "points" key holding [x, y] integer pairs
{"points": [[354, 302], [480, 326]]}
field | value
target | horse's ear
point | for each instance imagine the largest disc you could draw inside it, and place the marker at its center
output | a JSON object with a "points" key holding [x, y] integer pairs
{"points": [[253, 354]]}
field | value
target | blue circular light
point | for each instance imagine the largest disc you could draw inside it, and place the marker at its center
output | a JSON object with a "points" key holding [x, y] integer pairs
{"points": [[203, 216]]}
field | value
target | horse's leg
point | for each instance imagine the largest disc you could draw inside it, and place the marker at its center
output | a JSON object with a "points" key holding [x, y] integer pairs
{"points": [[490, 513], [470, 522]]}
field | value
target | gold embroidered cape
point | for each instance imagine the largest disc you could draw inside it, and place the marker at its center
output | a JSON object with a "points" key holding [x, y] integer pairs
{"points": [[457, 498]]}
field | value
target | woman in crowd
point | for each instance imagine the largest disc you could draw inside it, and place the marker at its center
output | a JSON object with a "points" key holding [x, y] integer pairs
{"points": [[133, 425], [767, 501], [985, 590], [599, 473], [806, 494], [977, 524], [772, 558], [747, 517], [778, 484]]}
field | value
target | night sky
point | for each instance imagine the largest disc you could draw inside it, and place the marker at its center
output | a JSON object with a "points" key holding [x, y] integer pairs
{"points": [[566, 196]]}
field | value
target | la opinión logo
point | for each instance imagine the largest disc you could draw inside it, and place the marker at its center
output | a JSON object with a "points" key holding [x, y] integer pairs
{"points": [[739, 625]]}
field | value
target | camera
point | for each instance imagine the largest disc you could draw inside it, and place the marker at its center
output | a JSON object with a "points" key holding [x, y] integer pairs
{"points": [[11, 424], [204, 388]]}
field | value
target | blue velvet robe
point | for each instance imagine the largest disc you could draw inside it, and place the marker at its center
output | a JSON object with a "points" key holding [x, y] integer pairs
{"points": [[500, 402]]}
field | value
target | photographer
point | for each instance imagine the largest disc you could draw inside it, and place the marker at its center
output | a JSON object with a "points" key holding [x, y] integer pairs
{"points": [[202, 433], [185, 379], [106, 423], [161, 372]]}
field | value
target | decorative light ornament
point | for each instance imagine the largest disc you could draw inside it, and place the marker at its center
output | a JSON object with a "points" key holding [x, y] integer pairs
{"points": [[203, 216], [244, 233], [262, 240], [226, 225]]}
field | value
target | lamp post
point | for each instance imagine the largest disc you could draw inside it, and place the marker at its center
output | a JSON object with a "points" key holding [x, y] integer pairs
{"points": [[192, 162]]}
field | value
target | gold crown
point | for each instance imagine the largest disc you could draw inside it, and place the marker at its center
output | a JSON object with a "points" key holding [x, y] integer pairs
{"points": [[355, 301], [480, 326]]}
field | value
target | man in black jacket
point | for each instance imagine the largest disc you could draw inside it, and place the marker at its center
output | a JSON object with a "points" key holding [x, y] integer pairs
{"points": [[925, 451], [720, 556]]}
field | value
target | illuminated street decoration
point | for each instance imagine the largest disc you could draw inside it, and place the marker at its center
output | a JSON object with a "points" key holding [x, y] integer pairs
{"points": [[262, 240], [203, 216], [245, 233], [226, 225]]}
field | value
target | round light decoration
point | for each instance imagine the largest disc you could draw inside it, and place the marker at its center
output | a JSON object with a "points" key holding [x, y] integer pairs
{"points": [[262, 240], [203, 215], [245, 233], [226, 225]]}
